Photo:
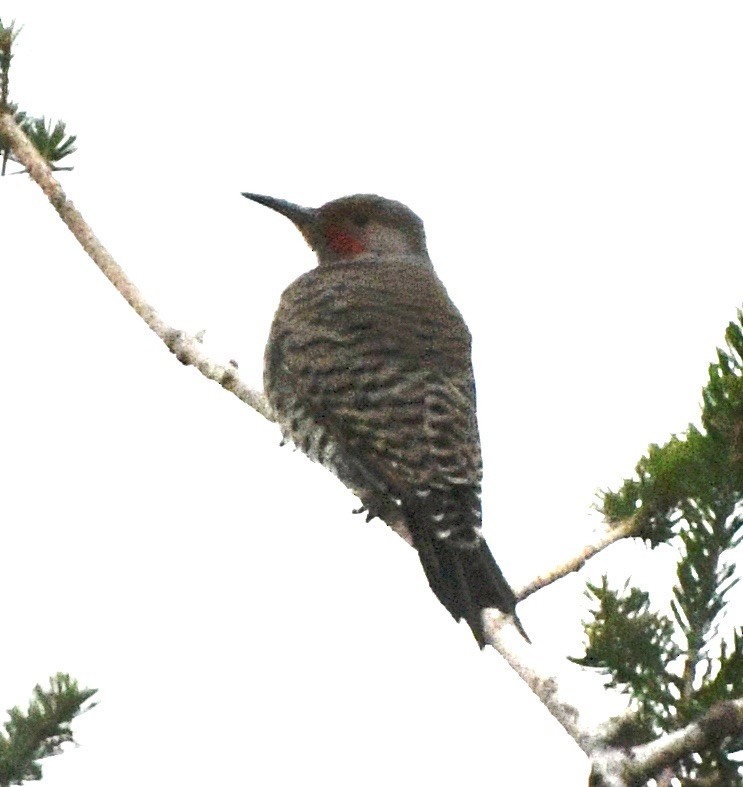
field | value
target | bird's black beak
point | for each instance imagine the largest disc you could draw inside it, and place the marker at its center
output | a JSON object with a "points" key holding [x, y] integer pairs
{"points": [[303, 218]]}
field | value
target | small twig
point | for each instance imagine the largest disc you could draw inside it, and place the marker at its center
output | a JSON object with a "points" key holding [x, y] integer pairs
{"points": [[619, 531]]}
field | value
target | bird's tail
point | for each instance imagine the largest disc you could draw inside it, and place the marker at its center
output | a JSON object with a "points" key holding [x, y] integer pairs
{"points": [[459, 565]]}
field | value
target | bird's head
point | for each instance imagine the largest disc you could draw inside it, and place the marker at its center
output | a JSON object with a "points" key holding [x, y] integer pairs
{"points": [[363, 226]]}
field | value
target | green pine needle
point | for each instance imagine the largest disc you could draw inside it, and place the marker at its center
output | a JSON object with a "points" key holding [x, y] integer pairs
{"points": [[41, 730]]}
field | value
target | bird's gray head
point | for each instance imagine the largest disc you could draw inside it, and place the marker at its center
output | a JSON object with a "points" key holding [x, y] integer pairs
{"points": [[363, 226]]}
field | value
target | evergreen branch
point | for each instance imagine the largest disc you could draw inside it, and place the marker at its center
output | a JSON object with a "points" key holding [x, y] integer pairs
{"points": [[51, 141], [8, 36], [633, 766], [722, 721], [633, 646], [728, 682], [41, 731], [694, 469]]}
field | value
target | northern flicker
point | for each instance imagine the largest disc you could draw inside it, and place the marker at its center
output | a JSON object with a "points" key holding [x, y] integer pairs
{"points": [[368, 368]]}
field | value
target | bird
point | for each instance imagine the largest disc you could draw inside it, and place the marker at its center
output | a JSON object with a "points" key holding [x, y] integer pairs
{"points": [[368, 370]]}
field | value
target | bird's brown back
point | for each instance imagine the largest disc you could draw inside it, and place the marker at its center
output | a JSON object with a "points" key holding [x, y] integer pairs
{"points": [[378, 355]]}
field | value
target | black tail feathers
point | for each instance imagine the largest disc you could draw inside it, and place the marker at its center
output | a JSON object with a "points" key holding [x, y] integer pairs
{"points": [[463, 574]]}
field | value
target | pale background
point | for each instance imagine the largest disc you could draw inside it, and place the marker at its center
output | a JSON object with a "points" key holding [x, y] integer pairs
{"points": [[579, 170]]}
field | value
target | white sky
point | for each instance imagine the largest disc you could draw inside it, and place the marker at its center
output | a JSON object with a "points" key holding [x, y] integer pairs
{"points": [[579, 170]]}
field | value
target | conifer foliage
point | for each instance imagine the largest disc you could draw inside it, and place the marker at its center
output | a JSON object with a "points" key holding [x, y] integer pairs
{"points": [[41, 730], [687, 493], [50, 139]]}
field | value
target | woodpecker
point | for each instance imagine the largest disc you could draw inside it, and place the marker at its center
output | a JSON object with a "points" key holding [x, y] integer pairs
{"points": [[368, 369]]}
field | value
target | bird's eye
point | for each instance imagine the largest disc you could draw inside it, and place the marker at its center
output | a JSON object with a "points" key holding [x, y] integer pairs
{"points": [[360, 219]]}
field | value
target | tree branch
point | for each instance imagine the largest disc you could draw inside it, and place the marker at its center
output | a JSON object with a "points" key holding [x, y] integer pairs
{"points": [[186, 348], [552, 680], [636, 765], [721, 721], [619, 531]]}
